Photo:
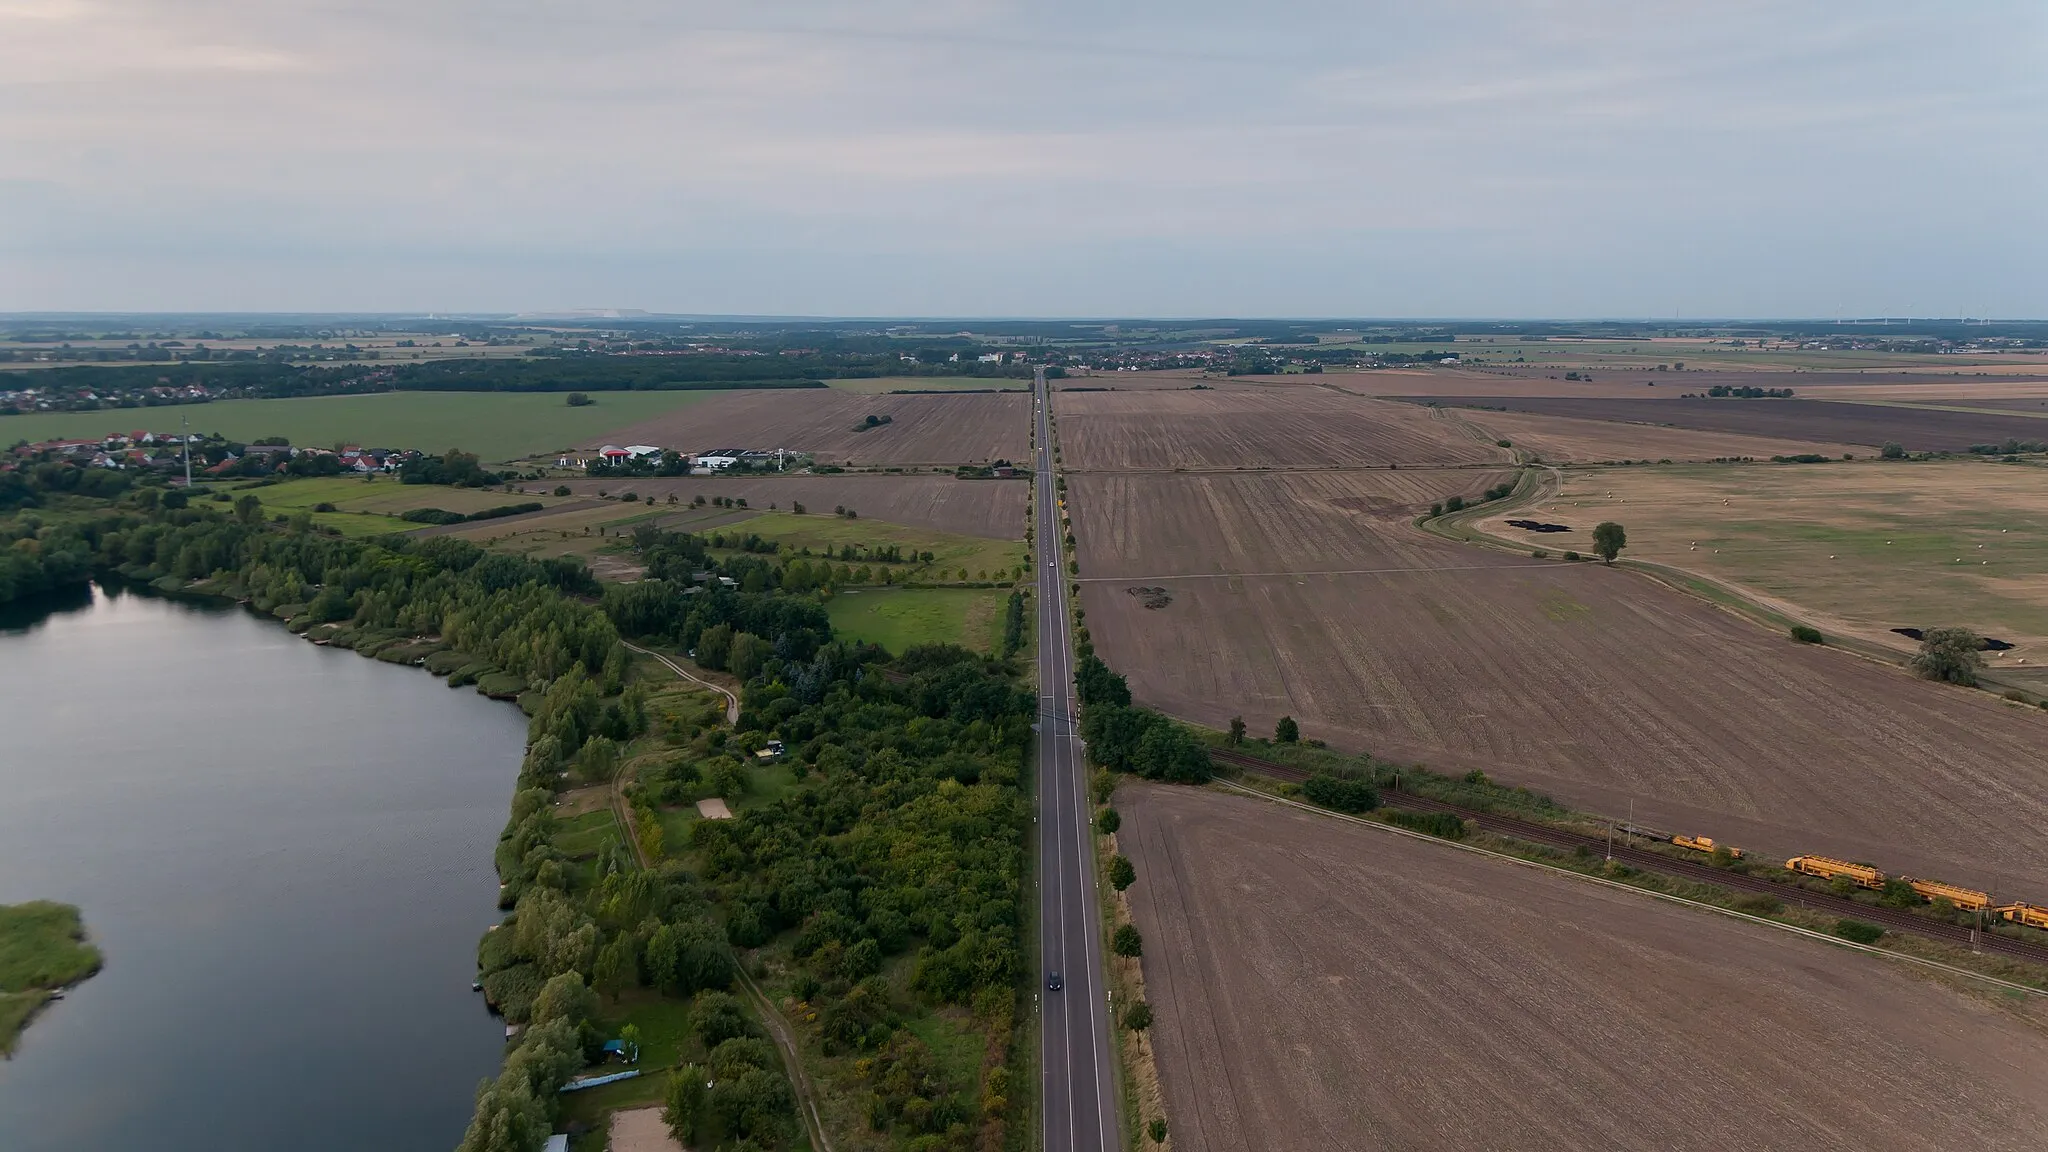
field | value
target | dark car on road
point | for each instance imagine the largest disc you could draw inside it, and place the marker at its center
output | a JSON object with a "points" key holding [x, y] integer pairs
{"points": [[1054, 982]]}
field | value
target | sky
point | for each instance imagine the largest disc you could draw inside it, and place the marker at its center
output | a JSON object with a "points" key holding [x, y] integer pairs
{"points": [[1467, 158]]}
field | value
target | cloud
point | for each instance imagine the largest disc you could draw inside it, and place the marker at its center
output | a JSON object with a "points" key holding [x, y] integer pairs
{"points": [[632, 145]]}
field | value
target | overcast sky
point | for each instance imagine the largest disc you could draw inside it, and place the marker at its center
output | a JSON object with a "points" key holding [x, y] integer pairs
{"points": [[1050, 158]]}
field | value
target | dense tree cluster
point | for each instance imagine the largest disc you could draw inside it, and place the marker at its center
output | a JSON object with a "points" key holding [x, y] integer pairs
{"points": [[1129, 739], [453, 467]]}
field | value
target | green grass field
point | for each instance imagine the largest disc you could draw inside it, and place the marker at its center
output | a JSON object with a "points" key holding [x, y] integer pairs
{"points": [[372, 507], [42, 947], [901, 618], [1859, 547], [984, 559], [494, 425]]}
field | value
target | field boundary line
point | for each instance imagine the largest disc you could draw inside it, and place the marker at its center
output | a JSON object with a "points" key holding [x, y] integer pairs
{"points": [[1729, 913], [1307, 572]]}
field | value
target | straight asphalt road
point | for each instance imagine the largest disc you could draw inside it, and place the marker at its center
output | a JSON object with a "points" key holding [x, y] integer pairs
{"points": [[1078, 1110]]}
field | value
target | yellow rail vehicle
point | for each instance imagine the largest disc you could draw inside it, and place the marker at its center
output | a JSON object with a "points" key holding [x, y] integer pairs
{"points": [[1967, 899], [2032, 915], [1828, 868], [1705, 844]]}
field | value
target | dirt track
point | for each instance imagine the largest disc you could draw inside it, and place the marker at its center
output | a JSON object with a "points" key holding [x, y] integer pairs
{"points": [[1322, 986], [961, 429]]}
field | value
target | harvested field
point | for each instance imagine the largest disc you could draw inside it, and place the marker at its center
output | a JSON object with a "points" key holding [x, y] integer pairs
{"points": [[2033, 405], [1320, 985], [1266, 428], [1562, 439], [1132, 525], [996, 509], [1607, 690], [1918, 429], [1966, 390], [1610, 383], [959, 429], [1857, 549], [882, 385]]}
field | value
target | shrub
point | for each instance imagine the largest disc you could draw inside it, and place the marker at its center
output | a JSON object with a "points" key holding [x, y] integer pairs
{"points": [[1539, 553], [1339, 793], [580, 400], [561, 490], [432, 516], [1573, 556], [1806, 635], [1109, 821], [1858, 931], [1286, 731], [324, 506], [2016, 696], [1444, 824]]}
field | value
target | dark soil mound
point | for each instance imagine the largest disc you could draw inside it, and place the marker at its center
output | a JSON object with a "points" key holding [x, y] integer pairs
{"points": [[1151, 597], [1984, 643]]}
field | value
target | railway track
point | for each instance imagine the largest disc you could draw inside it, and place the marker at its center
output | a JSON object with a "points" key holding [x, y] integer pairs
{"points": [[1890, 918]]}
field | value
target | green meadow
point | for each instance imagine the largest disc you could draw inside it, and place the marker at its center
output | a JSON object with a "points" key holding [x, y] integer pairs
{"points": [[494, 425]]}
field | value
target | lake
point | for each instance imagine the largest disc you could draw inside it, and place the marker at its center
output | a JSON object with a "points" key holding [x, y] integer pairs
{"points": [[284, 852]]}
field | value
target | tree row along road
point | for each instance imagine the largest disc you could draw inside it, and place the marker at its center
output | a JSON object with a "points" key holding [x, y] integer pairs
{"points": [[1897, 919], [1077, 1107], [792, 1056]]}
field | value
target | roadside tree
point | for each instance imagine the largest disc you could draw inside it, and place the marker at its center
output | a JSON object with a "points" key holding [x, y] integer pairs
{"points": [[1127, 942], [1121, 872], [1950, 654], [1287, 731], [1609, 539], [1237, 729], [1138, 1016]]}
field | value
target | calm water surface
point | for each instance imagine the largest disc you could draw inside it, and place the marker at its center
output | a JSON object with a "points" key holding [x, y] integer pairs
{"points": [[284, 852]]}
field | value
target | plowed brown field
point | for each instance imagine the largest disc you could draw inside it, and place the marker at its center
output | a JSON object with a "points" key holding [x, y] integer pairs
{"points": [[1318, 985], [1562, 440], [1598, 685], [992, 508], [1128, 525], [923, 430], [1259, 428], [1917, 428]]}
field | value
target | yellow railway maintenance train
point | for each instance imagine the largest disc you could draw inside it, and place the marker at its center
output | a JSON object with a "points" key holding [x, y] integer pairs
{"points": [[1865, 876], [1829, 868], [1967, 899], [1706, 844], [2032, 915]]}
